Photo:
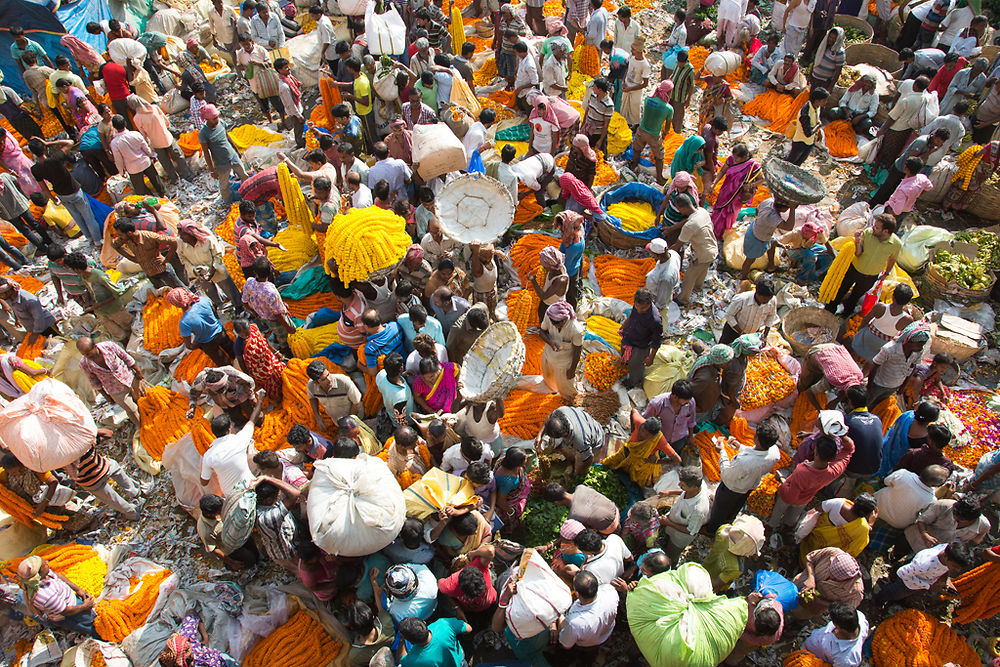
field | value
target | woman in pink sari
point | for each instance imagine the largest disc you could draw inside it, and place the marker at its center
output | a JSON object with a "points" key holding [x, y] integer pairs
{"points": [[739, 176], [436, 388], [84, 113], [13, 159]]}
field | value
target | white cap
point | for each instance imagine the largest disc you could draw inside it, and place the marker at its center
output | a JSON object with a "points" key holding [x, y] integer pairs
{"points": [[657, 246]]}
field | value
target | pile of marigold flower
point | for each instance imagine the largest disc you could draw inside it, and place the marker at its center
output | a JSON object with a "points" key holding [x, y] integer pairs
{"points": [[163, 414], [913, 638], [27, 283], [22, 511], [606, 174], [840, 139], [979, 589], [194, 362], [983, 425], [607, 329], [761, 500], [767, 382], [603, 369], [803, 659], [776, 107], [300, 642], [365, 240], [80, 563], [525, 411], [32, 346], [160, 325], [12, 236], [620, 278], [533, 346], [116, 619]]}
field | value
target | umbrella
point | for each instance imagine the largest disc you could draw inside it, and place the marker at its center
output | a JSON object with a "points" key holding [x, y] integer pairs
{"points": [[47, 428], [437, 490]]}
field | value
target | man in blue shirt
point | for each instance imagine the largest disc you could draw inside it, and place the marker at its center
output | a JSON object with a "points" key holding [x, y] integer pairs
{"points": [[865, 429], [383, 339], [417, 321]]}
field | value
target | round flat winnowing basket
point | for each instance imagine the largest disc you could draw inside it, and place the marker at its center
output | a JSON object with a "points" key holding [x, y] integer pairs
{"points": [[493, 365], [474, 208], [872, 54], [792, 183], [803, 318]]}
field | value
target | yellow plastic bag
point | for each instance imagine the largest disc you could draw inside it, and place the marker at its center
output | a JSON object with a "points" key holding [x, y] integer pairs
{"points": [[669, 365]]}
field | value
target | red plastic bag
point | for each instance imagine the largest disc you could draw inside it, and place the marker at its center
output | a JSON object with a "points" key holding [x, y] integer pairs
{"points": [[872, 297]]}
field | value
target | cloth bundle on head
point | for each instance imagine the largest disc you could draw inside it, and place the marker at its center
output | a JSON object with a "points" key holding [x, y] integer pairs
{"points": [[570, 529], [560, 311], [747, 344], [571, 224], [832, 422], [664, 89], [180, 297], [551, 258], [745, 536], [582, 144], [397, 122], [555, 27], [844, 567], [684, 182], [717, 354], [29, 574], [414, 253], [810, 229], [209, 111], [194, 229]]}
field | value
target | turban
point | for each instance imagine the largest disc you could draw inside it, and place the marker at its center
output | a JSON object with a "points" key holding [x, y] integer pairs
{"points": [[551, 258], [180, 297], [194, 229], [29, 572], [560, 311], [414, 253], [664, 89]]}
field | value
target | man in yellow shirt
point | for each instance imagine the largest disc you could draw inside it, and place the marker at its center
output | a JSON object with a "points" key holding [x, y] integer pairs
{"points": [[875, 252], [359, 91]]}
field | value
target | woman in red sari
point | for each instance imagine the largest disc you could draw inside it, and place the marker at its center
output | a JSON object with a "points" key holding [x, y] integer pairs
{"points": [[258, 359], [739, 175]]}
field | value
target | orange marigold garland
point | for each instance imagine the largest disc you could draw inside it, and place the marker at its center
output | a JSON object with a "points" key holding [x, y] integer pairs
{"points": [[27, 283], [300, 642], [116, 619], [194, 362], [840, 139], [767, 382], [603, 369], [620, 278], [913, 638], [160, 325], [12, 236], [761, 500], [22, 511], [525, 411], [803, 659], [776, 107], [980, 591], [303, 308], [524, 255], [533, 346], [32, 346]]}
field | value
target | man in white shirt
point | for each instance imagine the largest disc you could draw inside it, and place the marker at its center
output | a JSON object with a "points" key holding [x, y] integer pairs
{"points": [[957, 20], [749, 312], [841, 641], [554, 71], [457, 458], [859, 105], [591, 618], [688, 513], [798, 16], [608, 558], [636, 78], [325, 37], [266, 30], [948, 520], [967, 42], [930, 570], [763, 61], [967, 85], [526, 78], [905, 494], [954, 122], [741, 475], [626, 30], [475, 139], [361, 195], [666, 273], [222, 22], [227, 460], [597, 24], [536, 172]]}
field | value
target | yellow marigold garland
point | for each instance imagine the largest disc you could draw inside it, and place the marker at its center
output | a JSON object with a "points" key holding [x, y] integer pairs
{"points": [[967, 163], [522, 308], [635, 216], [32, 346], [835, 274], [607, 329], [116, 619], [80, 563], [620, 278], [300, 642], [913, 638], [160, 325], [365, 240], [767, 382], [485, 74], [303, 308], [525, 411], [603, 369]]}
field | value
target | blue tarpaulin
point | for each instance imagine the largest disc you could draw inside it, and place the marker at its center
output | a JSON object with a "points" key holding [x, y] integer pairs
{"points": [[40, 25], [76, 15]]}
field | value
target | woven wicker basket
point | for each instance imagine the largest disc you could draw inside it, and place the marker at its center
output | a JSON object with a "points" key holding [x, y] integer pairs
{"points": [[493, 365], [934, 285], [875, 55], [986, 205], [474, 208], [848, 21], [804, 317], [780, 175], [615, 238], [946, 345], [484, 29]]}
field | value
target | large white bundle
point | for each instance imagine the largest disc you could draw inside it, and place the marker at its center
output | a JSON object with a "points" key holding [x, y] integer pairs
{"points": [[355, 506], [47, 428], [386, 33], [437, 150], [540, 599], [124, 48], [303, 51]]}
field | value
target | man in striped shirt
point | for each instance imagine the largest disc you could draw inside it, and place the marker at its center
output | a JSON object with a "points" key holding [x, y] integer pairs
{"points": [[93, 473]]}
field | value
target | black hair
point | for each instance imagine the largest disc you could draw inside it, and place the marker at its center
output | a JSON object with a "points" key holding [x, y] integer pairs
{"points": [[54, 252], [556, 425], [764, 286], [553, 492], [478, 472], [967, 508], [412, 532], [393, 364], [220, 425], [124, 226], [76, 261], [720, 124], [322, 183], [8, 460], [315, 369], [844, 616], [345, 448], [405, 436], [464, 525], [267, 491], [958, 553], [471, 449], [478, 318], [117, 121], [767, 433], [653, 425], [381, 190], [513, 458], [471, 582], [588, 541], [341, 111], [280, 63], [315, 155], [902, 294], [429, 365], [468, 47], [211, 504], [926, 412], [247, 207], [487, 116], [266, 458], [643, 295], [585, 584], [683, 389], [864, 505], [857, 396], [689, 475], [826, 448], [521, 47], [938, 435], [418, 314], [298, 435], [508, 153], [766, 621], [818, 94], [359, 618], [16, 31], [353, 64], [414, 630], [603, 84]]}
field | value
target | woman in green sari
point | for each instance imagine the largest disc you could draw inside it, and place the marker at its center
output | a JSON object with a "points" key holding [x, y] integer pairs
{"points": [[689, 157]]}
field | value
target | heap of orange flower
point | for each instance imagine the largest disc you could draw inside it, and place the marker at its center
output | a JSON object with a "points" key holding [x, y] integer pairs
{"points": [[32, 346], [803, 659], [979, 589], [27, 283], [116, 619], [606, 174], [527, 210], [982, 423], [525, 411], [603, 369], [193, 363], [803, 414], [853, 325], [23, 512], [913, 638], [12, 236], [163, 414], [761, 500], [486, 73], [503, 112], [300, 642], [767, 382], [840, 139], [79, 563], [160, 324], [533, 346], [776, 107], [671, 142], [620, 278]]}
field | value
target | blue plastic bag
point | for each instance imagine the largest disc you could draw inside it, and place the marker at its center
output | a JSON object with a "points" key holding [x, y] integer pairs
{"points": [[786, 592], [476, 165]]}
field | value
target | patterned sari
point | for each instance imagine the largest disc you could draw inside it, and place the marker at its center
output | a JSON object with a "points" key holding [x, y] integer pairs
{"points": [[261, 363], [444, 390], [514, 492], [733, 193]]}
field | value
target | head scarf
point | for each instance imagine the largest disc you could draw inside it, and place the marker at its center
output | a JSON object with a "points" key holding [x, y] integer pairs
{"points": [[867, 78], [572, 226], [194, 229], [582, 143], [915, 332], [560, 311], [810, 229], [549, 115], [843, 567], [551, 258], [191, 42], [832, 422], [29, 571], [828, 46], [570, 529], [400, 581], [687, 154], [82, 52], [178, 644], [218, 385], [747, 344], [716, 355], [414, 253], [180, 297], [209, 111], [664, 89], [555, 27], [684, 182]]}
